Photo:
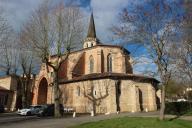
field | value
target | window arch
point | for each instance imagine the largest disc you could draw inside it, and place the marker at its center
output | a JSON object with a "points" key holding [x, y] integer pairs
{"points": [[109, 63], [91, 64]]}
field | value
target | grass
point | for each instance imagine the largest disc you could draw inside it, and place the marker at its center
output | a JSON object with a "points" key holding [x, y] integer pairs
{"points": [[137, 122], [189, 113]]}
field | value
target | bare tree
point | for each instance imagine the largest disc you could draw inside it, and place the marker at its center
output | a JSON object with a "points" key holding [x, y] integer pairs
{"points": [[96, 93], [10, 53], [20, 62], [28, 63], [4, 28], [185, 45], [16, 59], [9, 47], [152, 24], [54, 31], [182, 61], [6, 45]]}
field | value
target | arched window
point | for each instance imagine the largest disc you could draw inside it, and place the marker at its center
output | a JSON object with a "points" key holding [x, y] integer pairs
{"points": [[109, 63], [91, 64], [78, 91]]}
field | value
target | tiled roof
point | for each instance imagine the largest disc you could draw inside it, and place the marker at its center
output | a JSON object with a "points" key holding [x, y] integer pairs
{"points": [[3, 89], [117, 76]]}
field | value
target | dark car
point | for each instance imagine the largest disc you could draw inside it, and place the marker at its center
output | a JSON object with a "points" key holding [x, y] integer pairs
{"points": [[48, 110], [2, 109]]}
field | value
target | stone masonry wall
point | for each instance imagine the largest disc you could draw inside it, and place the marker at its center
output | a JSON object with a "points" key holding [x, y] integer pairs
{"points": [[99, 55], [136, 96], [129, 99], [148, 96], [103, 89]]}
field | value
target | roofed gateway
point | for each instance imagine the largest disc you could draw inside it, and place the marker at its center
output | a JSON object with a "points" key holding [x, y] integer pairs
{"points": [[98, 78]]}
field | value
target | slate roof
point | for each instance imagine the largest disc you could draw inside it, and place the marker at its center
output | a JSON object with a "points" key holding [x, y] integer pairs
{"points": [[91, 30]]}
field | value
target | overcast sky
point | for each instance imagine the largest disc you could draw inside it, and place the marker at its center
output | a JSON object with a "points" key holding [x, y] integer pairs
{"points": [[105, 14]]}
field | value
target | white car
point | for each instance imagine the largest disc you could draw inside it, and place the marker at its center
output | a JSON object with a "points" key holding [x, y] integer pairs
{"points": [[32, 110], [181, 100]]}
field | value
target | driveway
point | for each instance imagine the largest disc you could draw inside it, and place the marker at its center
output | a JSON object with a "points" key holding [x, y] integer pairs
{"points": [[66, 122]]}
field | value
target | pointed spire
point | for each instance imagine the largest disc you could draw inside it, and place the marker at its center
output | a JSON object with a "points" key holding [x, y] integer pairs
{"points": [[91, 30]]}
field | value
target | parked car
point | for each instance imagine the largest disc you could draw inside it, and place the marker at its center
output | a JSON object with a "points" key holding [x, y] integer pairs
{"points": [[48, 110], [181, 100], [31, 110], [2, 109]]}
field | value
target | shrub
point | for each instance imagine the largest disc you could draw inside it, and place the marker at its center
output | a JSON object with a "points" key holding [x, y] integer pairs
{"points": [[178, 108]]}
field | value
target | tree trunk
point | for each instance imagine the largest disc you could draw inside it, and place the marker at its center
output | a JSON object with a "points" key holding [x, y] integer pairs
{"points": [[57, 113], [28, 91], [162, 110], [23, 93], [23, 101]]}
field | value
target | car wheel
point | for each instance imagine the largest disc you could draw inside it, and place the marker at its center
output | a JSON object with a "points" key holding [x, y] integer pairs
{"points": [[40, 114], [28, 113]]}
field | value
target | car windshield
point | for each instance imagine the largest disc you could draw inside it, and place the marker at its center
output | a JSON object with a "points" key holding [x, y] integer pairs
{"points": [[37, 106], [34, 107]]}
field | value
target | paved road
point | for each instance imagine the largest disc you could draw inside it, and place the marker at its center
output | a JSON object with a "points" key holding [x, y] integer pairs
{"points": [[66, 122], [13, 117]]}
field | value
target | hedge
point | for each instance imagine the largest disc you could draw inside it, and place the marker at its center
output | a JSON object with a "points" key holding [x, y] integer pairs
{"points": [[178, 108]]}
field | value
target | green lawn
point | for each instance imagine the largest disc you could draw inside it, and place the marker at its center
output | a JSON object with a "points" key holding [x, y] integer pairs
{"points": [[129, 122]]}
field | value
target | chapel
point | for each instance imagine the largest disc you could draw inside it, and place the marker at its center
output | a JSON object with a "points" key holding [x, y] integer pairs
{"points": [[99, 78]]}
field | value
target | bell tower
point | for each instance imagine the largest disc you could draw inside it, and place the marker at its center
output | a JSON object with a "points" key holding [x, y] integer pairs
{"points": [[91, 39]]}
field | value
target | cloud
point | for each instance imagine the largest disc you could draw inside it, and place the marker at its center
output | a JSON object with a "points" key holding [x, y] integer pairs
{"points": [[105, 14], [17, 11]]}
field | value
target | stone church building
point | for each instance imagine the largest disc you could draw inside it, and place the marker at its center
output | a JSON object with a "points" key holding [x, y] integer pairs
{"points": [[98, 77]]}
